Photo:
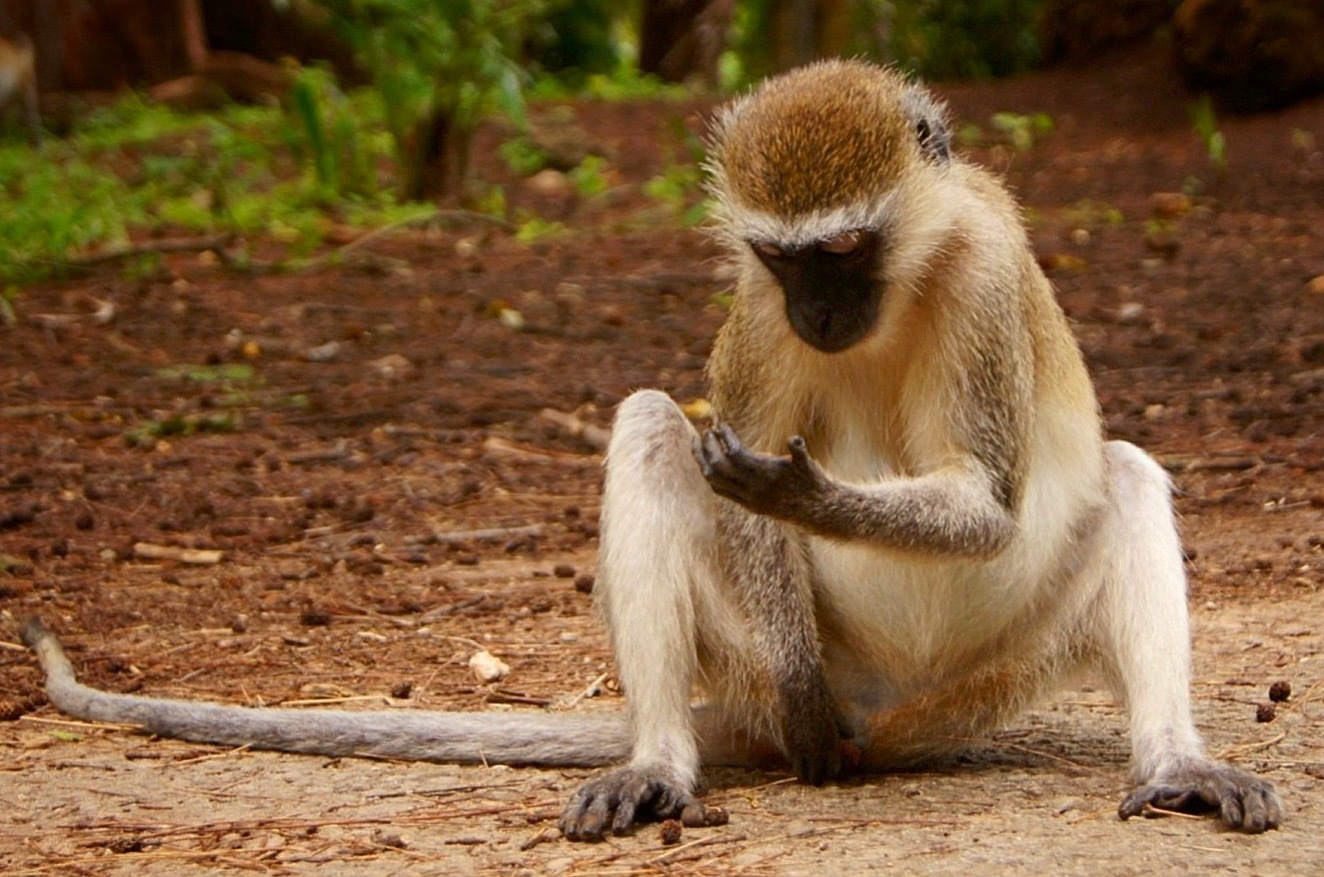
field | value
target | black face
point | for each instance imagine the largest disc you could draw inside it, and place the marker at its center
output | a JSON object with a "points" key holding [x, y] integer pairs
{"points": [[832, 294]]}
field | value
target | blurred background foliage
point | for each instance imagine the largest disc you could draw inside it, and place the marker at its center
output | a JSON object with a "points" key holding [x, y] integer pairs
{"points": [[282, 117]]}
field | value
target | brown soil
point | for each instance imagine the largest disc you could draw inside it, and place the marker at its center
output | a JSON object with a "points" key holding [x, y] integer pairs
{"points": [[383, 513]]}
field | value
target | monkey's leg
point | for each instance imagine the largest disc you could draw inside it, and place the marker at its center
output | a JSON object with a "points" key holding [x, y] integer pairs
{"points": [[1144, 632], [658, 559]]}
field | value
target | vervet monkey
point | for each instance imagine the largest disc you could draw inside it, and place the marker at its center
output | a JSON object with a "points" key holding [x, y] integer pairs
{"points": [[904, 526], [18, 80]]}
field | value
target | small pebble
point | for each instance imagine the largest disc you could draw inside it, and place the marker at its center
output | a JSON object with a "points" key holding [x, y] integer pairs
{"points": [[487, 667]]}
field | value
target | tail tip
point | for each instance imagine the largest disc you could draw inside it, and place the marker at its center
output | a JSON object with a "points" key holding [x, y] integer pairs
{"points": [[33, 632]]}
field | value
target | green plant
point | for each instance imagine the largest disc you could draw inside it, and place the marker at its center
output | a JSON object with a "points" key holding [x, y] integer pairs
{"points": [[1022, 130], [131, 170], [8, 313], [440, 66], [680, 188], [681, 185], [963, 39], [533, 228], [590, 177], [523, 156], [1205, 122], [330, 134]]}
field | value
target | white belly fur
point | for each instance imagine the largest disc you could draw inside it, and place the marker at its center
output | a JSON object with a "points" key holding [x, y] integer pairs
{"points": [[913, 620]]}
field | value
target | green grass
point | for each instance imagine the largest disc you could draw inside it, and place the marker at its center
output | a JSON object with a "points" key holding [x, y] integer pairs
{"points": [[134, 169]]}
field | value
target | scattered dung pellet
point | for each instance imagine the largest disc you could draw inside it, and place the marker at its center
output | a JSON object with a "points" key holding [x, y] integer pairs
{"points": [[584, 583], [1266, 711], [563, 571], [402, 690], [1280, 691], [669, 832]]}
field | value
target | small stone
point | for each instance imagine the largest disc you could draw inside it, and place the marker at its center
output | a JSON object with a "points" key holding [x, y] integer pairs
{"points": [[389, 839], [466, 248], [393, 366], [1170, 205], [1280, 691], [1130, 312], [487, 667], [550, 182], [323, 352]]}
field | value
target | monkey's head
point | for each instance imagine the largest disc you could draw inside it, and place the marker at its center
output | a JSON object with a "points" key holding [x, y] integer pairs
{"points": [[825, 175]]}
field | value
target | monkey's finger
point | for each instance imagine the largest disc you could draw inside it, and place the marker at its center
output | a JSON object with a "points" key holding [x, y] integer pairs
{"points": [[700, 457], [800, 453], [714, 453]]}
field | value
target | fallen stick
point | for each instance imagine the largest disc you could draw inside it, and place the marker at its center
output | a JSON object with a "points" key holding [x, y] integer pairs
{"points": [[198, 556]]}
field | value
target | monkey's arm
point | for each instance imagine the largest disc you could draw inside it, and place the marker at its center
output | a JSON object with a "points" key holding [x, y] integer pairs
{"points": [[954, 511], [766, 566]]}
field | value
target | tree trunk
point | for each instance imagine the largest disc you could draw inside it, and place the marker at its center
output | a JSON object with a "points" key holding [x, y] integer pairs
{"points": [[680, 39], [436, 159]]}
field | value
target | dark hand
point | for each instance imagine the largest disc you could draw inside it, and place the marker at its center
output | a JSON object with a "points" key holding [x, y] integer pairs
{"points": [[762, 483], [818, 741]]}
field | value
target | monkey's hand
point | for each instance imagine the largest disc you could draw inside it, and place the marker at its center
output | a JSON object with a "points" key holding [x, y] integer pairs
{"points": [[778, 486], [817, 739], [623, 797], [1244, 802]]}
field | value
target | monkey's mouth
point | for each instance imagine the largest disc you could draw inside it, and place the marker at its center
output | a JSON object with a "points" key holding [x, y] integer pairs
{"points": [[832, 326]]}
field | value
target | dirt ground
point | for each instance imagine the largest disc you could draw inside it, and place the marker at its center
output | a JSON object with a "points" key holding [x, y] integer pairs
{"points": [[368, 449]]}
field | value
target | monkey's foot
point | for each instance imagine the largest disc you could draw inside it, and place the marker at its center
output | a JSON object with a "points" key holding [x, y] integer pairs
{"points": [[623, 797], [1244, 802]]}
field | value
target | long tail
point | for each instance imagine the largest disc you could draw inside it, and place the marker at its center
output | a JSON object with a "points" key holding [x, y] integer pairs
{"points": [[493, 738]]}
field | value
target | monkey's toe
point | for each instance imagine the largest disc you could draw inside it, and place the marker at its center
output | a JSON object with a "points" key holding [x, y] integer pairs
{"points": [[625, 797], [1243, 802]]}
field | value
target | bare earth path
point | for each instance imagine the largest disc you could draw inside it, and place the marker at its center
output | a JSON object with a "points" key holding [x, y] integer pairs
{"points": [[367, 449]]}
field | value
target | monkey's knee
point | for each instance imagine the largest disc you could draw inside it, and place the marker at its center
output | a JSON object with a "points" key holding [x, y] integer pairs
{"points": [[1135, 476], [651, 436]]}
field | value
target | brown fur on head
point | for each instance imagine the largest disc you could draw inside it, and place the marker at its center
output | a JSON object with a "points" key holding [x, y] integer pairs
{"points": [[769, 152]]}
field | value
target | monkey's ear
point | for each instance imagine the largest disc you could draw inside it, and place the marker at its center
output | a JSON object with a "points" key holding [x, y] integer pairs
{"points": [[928, 119]]}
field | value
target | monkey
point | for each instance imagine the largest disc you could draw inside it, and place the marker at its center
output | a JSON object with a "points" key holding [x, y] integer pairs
{"points": [[903, 525], [18, 80]]}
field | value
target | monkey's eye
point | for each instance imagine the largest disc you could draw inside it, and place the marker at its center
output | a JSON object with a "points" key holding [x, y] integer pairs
{"points": [[768, 251], [843, 244]]}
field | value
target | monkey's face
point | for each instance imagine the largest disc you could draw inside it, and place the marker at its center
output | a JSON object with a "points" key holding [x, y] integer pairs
{"points": [[830, 287], [819, 174]]}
